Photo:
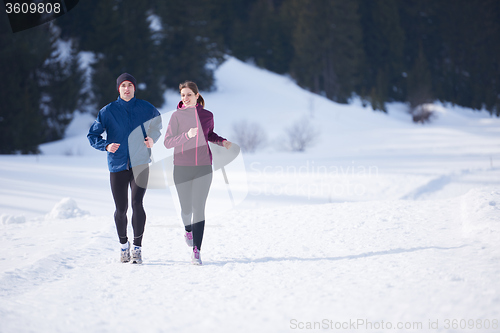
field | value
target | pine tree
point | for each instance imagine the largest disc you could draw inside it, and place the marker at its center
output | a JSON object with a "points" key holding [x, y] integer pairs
{"points": [[420, 22], [265, 37], [119, 34], [190, 49], [306, 64], [460, 42], [327, 47], [22, 56], [61, 82], [383, 41]]}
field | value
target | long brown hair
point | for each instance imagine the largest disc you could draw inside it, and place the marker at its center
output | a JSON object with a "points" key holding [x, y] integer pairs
{"points": [[191, 85]]}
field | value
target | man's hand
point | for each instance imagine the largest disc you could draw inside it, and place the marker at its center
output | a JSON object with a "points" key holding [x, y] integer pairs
{"points": [[149, 142], [112, 147]]}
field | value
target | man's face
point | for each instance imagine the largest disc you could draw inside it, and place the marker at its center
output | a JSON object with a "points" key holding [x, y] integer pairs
{"points": [[127, 90]]}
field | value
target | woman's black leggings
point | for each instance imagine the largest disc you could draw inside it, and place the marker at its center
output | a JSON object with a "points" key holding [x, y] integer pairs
{"points": [[193, 184], [120, 182]]}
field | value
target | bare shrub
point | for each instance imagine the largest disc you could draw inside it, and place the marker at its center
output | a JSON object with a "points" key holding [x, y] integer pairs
{"points": [[249, 135], [420, 106], [301, 135], [420, 89], [422, 113]]}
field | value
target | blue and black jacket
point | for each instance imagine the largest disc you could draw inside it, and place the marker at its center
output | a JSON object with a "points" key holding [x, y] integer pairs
{"points": [[119, 119]]}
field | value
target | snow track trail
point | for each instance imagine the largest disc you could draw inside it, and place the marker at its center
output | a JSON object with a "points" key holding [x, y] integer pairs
{"points": [[262, 270]]}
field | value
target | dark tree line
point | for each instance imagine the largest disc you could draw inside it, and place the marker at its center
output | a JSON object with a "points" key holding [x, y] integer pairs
{"points": [[415, 51], [381, 50]]}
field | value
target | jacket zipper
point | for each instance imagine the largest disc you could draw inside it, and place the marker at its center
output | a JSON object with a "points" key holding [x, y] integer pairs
{"points": [[129, 116], [197, 136]]}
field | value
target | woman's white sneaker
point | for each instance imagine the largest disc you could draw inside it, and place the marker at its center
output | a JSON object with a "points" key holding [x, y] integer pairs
{"points": [[196, 257], [188, 236]]}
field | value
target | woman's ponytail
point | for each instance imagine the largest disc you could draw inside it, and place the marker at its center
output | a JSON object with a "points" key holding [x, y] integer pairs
{"points": [[201, 101]]}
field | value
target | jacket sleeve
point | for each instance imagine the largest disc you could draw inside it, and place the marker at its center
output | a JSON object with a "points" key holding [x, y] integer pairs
{"points": [[214, 137], [155, 126], [172, 137], [95, 134]]}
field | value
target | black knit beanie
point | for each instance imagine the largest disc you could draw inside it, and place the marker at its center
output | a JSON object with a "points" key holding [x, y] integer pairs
{"points": [[125, 77]]}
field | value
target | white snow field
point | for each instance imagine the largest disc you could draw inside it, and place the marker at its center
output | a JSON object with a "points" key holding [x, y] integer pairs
{"points": [[382, 226]]}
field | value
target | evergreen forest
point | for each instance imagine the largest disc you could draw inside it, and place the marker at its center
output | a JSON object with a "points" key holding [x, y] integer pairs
{"points": [[412, 51]]}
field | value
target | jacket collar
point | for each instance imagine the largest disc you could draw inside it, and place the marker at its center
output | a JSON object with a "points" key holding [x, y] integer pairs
{"points": [[181, 106], [124, 103]]}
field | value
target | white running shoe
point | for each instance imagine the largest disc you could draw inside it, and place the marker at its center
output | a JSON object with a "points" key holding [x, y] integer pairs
{"points": [[188, 237], [125, 254], [196, 257], [136, 255]]}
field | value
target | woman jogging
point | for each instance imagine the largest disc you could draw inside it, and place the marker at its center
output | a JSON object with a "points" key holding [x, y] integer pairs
{"points": [[189, 130], [118, 119]]}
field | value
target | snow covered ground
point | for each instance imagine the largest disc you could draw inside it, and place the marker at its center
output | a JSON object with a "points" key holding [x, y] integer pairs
{"points": [[382, 226]]}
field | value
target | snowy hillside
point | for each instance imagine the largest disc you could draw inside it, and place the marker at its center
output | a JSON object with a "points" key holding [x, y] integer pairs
{"points": [[381, 226]]}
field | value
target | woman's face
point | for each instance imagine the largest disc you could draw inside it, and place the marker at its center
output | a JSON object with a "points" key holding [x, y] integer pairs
{"points": [[127, 91], [188, 97]]}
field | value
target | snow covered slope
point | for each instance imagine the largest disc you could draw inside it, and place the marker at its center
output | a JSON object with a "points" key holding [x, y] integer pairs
{"points": [[382, 226]]}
